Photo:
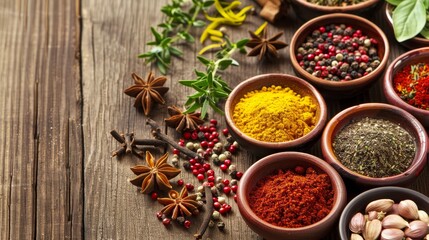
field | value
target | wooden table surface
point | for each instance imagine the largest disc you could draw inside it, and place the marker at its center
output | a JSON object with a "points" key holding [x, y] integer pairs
{"points": [[63, 69]]}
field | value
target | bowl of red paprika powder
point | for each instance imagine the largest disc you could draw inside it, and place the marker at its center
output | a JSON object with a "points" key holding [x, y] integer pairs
{"points": [[275, 112], [406, 83], [340, 54], [291, 195]]}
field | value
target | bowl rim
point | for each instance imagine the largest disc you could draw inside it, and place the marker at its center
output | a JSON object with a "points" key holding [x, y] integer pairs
{"points": [[389, 90], [387, 10], [356, 200], [318, 127], [340, 84], [338, 185], [421, 143], [323, 8]]}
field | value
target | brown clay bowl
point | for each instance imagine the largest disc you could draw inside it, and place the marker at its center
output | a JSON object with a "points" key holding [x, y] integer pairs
{"points": [[383, 111], [287, 160], [411, 57], [299, 86], [359, 203], [415, 42], [306, 10], [340, 89]]}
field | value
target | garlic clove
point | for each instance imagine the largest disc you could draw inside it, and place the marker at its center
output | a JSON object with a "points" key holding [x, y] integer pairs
{"points": [[372, 215], [372, 230], [392, 234], [426, 238], [380, 205], [394, 221], [418, 229], [356, 236], [394, 209], [357, 223], [423, 216], [408, 209]]}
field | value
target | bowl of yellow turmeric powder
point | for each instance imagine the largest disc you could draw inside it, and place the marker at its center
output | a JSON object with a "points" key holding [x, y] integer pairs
{"points": [[275, 112]]}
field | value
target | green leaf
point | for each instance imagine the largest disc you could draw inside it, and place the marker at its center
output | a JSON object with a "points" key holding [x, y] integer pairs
{"points": [[145, 55], [176, 52], [193, 108], [220, 94], [224, 63], [199, 74], [162, 67], [241, 43], [203, 60], [187, 83], [409, 18], [186, 36], [426, 3], [425, 32], [165, 42], [158, 37], [199, 23], [208, 3], [196, 95], [394, 2], [204, 108], [213, 105]]}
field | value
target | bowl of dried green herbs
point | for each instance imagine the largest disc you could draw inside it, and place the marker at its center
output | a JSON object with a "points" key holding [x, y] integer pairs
{"points": [[406, 83], [376, 144]]}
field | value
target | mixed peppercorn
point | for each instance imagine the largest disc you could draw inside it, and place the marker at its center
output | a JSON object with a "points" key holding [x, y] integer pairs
{"points": [[338, 53]]}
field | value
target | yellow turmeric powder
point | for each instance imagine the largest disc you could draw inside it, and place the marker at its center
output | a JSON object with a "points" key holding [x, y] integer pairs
{"points": [[275, 114]]}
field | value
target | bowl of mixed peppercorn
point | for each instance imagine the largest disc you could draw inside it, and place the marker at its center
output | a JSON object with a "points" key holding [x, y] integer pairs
{"points": [[308, 9], [291, 195], [406, 83], [375, 144], [340, 54]]}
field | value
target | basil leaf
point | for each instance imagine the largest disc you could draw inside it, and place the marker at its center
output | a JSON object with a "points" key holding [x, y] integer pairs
{"points": [[394, 2], [425, 32], [409, 18]]}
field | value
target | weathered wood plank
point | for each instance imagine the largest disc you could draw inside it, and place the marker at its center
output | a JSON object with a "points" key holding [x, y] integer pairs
{"points": [[40, 115]]}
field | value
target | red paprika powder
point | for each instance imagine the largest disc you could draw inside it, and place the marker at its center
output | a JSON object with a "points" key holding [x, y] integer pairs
{"points": [[412, 85], [290, 199]]}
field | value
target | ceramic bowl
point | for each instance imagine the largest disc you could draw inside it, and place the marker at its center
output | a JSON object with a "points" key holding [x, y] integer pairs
{"points": [[411, 57], [380, 111], [300, 86], [340, 88], [359, 203], [288, 160], [307, 10], [415, 42]]}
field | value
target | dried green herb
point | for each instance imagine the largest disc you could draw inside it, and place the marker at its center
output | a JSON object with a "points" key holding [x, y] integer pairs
{"points": [[375, 147]]}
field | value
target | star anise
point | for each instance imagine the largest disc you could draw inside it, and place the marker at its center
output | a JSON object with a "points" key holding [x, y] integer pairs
{"points": [[147, 92], [154, 174], [182, 121], [180, 204], [263, 46]]}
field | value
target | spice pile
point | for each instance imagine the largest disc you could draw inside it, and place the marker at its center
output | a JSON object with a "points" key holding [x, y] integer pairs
{"points": [[275, 114], [412, 85], [374, 147], [292, 198], [340, 3], [389, 220], [338, 52]]}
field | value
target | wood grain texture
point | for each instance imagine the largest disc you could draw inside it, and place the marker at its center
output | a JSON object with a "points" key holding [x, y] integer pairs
{"points": [[63, 70], [40, 109]]}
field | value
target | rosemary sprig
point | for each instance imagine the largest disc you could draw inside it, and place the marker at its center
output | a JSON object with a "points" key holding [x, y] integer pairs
{"points": [[209, 86], [179, 19]]}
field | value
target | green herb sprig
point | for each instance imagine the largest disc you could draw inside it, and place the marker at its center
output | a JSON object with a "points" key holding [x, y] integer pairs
{"points": [[410, 18], [180, 17], [209, 86]]}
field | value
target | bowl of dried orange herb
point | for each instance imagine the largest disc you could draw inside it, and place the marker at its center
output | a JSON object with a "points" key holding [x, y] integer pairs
{"points": [[406, 83], [291, 195]]}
